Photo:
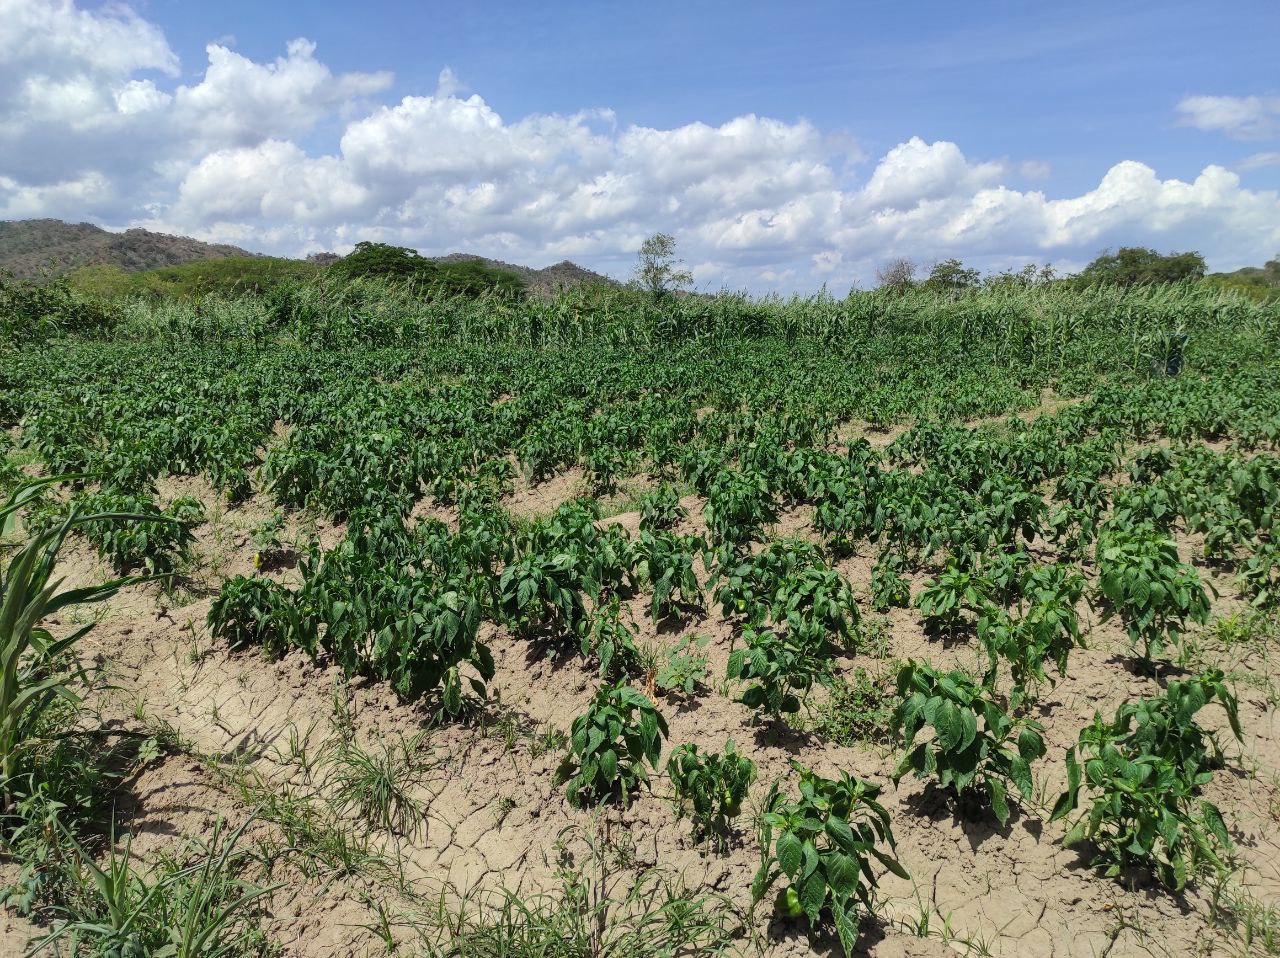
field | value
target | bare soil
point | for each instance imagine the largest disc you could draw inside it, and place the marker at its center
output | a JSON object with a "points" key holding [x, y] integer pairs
{"points": [[494, 818]]}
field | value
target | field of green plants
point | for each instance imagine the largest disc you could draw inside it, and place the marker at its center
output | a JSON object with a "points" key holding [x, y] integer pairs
{"points": [[894, 624]]}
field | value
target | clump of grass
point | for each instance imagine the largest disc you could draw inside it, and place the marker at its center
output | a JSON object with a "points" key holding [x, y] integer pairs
{"points": [[596, 908], [375, 783], [191, 904], [859, 710]]}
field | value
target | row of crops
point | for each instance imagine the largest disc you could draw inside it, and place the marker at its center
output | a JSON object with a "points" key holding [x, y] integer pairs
{"points": [[1014, 526]]}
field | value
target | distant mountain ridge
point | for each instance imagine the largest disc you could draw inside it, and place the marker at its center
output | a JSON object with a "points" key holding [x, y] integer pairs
{"points": [[30, 249]]}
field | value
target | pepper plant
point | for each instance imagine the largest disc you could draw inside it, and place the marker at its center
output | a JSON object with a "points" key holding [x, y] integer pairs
{"points": [[948, 600], [1144, 809], [976, 744], [782, 668], [826, 843], [1145, 584], [610, 744], [712, 784], [251, 611]]}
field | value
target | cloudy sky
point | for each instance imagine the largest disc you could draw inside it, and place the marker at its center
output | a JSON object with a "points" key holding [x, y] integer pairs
{"points": [[785, 145]]}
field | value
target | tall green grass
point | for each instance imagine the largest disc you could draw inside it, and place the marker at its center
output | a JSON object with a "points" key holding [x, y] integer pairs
{"points": [[1043, 327]]}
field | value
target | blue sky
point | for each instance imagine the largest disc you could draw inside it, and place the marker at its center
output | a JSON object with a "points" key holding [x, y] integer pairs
{"points": [[785, 145], [1076, 84]]}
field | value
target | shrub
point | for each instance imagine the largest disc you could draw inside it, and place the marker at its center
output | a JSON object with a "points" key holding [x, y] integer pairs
{"points": [[249, 611], [611, 640], [1044, 629], [661, 508], [665, 561], [778, 665], [947, 600], [131, 532], [1145, 584], [1144, 770], [889, 588], [739, 506], [439, 277]]}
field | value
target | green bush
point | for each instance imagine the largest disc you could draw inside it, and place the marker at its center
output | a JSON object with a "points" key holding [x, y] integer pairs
{"points": [[778, 665], [430, 276], [1143, 771], [253, 612], [1143, 582]]}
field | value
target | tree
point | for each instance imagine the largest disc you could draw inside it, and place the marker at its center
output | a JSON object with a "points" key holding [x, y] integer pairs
{"points": [[1029, 275], [1257, 282], [450, 277], [899, 275], [659, 271], [384, 260], [1136, 266], [951, 276]]}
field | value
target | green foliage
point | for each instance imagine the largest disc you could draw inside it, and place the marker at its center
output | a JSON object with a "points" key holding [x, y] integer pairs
{"points": [[684, 666], [889, 588], [713, 784], [1133, 265], [394, 608], [266, 541], [1043, 628], [781, 667], [250, 612], [976, 743], [1165, 725], [665, 561], [1148, 587], [1144, 770], [859, 710], [789, 585], [35, 312], [154, 542], [739, 506], [430, 276], [826, 843], [611, 640], [609, 745], [661, 509], [539, 592], [227, 276], [954, 600]]}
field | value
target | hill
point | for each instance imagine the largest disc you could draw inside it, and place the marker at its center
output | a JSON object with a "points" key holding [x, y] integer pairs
{"points": [[33, 248], [1259, 282], [98, 258], [541, 282]]}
